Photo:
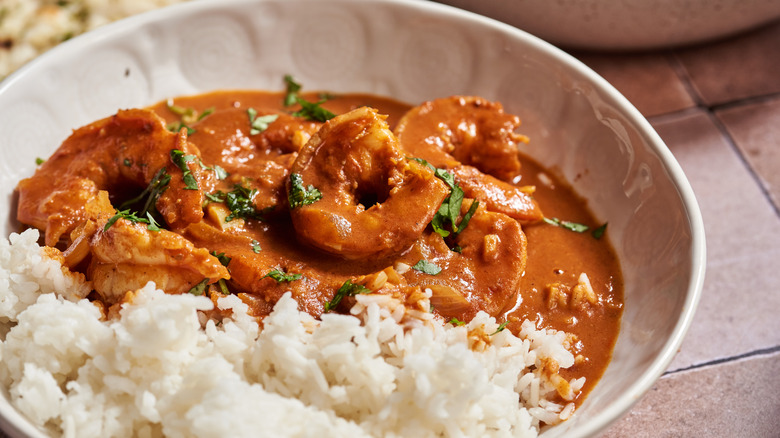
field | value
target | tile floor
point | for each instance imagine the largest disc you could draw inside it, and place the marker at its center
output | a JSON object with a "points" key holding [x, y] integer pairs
{"points": [[717, 106]]}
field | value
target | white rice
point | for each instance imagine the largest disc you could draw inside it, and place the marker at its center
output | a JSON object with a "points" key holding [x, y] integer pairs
{"points": [[30, 27], [164, 369]]}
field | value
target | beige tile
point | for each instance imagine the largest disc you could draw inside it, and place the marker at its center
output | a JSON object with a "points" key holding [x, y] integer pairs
{"points": [[755, 128], [648, 80], [745, 66], [732, 399], [738, 309]]}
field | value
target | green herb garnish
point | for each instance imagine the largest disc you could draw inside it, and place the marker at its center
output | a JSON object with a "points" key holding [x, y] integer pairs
{"points": [[39, 161], [449, 210], [239, 201], [292, 89], [426, 267], [598, 233], [456, 322], [151, 193], [571, 226], [256, 246], [500, 328], [199, 288], [132, 217], [259, 124], [299, 195], [312, 110], [221, 173], [223, 259], [347, 289], [180, 160], [281, 276]]}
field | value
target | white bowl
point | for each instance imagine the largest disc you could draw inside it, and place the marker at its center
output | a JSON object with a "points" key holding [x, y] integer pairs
{"points": [[579, 125], [627, 24]]}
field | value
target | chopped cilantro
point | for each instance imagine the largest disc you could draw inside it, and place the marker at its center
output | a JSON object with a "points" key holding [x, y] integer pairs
{"points": [[221, 173], [292, 89], [132, 217], [39, 161], [598, 233], [449, 210], [456, 321], [299, 195], [281, 276], [127, 162], [259, 124], [426, 267], [239, 201], [347, 289], [223, 288], [151, 193], [500, 328], [223, 259], [177, 126], [571, 226], [200, 288], [180, 160], [153, 225], [312, 110], [256, 246]]}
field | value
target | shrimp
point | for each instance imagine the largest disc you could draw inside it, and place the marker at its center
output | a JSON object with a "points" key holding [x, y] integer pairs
{"points": [[484, 274], [475, 140], [121, 151], [498, 196], [468, 130], [126, 255], [374, 201]]}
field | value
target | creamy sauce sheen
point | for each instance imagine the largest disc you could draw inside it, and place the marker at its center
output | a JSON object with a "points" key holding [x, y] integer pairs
{"points": [[514, 268], [555, 254]]}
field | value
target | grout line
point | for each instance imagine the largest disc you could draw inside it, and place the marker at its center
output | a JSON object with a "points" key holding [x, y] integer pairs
{"points": [[710, 110], [761, 352], [751, 100], [733, 144]]}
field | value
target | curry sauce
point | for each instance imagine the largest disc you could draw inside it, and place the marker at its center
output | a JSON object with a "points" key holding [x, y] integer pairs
{"points": [[256, 198]]}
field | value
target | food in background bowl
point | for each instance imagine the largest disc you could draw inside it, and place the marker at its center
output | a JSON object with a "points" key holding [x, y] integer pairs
{"points": [[414, 51], [260, 203]]}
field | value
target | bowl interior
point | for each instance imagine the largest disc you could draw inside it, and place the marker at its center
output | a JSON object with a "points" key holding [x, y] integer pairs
{"points": [[579, 125]]}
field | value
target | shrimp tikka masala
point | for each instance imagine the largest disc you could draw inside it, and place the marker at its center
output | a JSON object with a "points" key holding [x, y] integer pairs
{"points": [[259, 193]]}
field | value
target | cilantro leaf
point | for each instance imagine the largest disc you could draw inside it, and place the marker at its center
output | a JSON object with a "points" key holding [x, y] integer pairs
{"points": [[456, 321], [598, 233], [299, 195], [500, 328], [180, 160], [256, 246], [281, 276], [199, 288], [571, 226], [223, 259], [39, 161], [312, 110], [292, 89], [426, 267], [347, 289], [151, 224], [221, 173], [259, 124]]}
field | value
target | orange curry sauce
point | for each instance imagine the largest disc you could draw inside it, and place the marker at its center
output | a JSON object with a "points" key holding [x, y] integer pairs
{"points": [[493, 275]]}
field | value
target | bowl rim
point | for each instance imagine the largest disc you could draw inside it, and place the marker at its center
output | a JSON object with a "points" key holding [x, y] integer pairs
{"points": [[610, 94]]}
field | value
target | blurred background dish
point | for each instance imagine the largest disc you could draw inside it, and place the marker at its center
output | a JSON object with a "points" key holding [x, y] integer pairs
{"points": [[629, 24]]}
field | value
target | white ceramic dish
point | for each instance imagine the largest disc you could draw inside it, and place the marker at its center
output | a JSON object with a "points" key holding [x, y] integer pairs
{"points": [[579, 125], [627, 24]]}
